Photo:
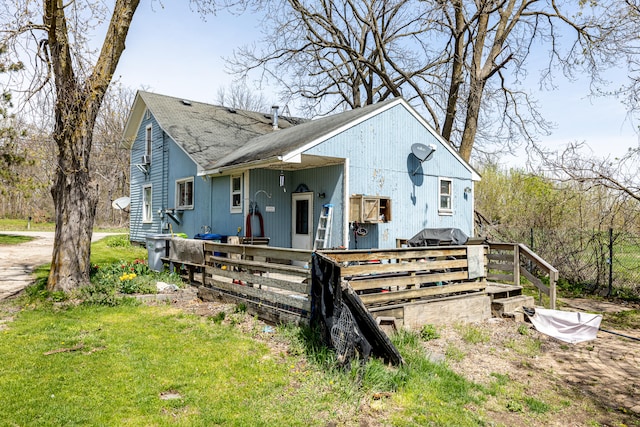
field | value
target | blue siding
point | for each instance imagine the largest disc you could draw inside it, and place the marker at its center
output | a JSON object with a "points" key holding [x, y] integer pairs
{"points": [[381, 163], [168, 164], [277, 225]]}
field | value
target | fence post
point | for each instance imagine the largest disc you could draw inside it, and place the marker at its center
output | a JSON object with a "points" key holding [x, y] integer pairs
{"points": [[610, 262], [516, 264]]}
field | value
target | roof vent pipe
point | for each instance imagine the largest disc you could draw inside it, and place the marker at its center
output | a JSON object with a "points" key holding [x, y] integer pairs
{"points": [[274, 111]]}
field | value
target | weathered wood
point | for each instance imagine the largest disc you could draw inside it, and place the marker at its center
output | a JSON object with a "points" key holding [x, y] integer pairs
{"points": [[258, 266], [353, 270], [373, 282], [260, 294], [302, 288], [500, 257], [387, 297], [394, 254], [464, 308], [505, 266], [536, 282], [261, 251]]}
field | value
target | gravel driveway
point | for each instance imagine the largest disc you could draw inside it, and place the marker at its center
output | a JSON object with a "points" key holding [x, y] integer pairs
{"points": [[17, 262]]}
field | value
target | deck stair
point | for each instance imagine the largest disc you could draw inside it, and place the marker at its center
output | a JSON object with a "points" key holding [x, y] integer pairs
{"points": [[507, 300]]}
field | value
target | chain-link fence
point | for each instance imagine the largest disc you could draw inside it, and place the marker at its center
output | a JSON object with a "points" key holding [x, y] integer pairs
{"points": [[606, 261]]}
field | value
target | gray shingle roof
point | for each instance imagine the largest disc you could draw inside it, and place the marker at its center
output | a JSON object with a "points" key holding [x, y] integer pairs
{"points": [[284, 141], [208, 132]]}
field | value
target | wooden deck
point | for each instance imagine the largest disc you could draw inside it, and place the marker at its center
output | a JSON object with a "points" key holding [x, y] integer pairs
{"points": [[413, 285]]}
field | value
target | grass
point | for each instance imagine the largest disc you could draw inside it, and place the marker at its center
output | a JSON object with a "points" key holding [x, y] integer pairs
{"points": [[110, 366], [8, 239], [7, 224]]}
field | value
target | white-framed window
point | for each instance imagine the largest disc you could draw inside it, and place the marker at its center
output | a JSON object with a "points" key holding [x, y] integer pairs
{"points": [[184, 193], [148, 138], [147, 206], [236, 194], [445, 206]]}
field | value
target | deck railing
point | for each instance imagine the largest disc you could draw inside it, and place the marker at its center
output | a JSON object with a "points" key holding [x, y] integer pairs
{"points": [[508, 262]]}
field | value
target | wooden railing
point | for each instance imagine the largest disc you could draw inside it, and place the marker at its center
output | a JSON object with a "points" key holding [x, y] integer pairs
{"points": [[397, 276], [508, 262], [260, 277]]}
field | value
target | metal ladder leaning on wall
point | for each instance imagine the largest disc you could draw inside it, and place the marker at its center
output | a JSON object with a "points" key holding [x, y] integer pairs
{"points": [[323, 233]]}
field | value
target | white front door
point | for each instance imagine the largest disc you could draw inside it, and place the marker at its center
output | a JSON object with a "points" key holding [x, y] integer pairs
{"points": [[302, 220]]}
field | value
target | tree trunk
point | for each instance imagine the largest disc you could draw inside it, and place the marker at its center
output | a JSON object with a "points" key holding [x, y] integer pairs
{"points": [[75, 200], [75, 197]]}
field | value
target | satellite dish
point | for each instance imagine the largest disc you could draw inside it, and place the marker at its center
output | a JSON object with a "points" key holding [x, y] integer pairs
{"points": [[121, 203], [422, 153]]}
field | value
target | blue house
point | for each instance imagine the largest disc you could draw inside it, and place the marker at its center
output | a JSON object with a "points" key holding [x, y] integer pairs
{"points": [[199, 168]]}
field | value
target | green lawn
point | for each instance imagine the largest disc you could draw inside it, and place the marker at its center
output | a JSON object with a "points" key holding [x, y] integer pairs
{"points": [[8, 239]]}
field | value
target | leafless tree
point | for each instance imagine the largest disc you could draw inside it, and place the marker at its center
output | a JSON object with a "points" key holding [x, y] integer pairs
{"points": [[461, 61], [241, 97], [617, 174], [54, 37]]}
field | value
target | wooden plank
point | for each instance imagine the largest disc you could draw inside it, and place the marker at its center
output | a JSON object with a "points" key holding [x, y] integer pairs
{"points": [[506, 266], [387, 297], [258, 266], [501, 246], [261, 294], [462, 308], [301, 288], [395, 254], [354, 270], [536, 282], [532, 256], [406, 280], [262, 251], [500, 257]]}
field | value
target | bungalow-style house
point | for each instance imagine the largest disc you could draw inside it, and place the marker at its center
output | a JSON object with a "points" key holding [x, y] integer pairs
{"points": [[198, 168]]}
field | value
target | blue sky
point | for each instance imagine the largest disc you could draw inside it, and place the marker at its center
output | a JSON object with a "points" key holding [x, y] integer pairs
{"points": [[173, 51]]}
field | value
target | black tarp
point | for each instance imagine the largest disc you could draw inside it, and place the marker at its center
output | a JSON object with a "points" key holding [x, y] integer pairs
{"points": [[345, 324], [438, 236]]}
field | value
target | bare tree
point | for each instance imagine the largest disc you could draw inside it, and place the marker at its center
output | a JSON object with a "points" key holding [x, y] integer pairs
{"points": [[240, 97], [461, 61], [55, 35], [617, 174]]}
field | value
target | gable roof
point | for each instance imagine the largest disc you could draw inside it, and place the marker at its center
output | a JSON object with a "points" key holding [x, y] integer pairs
{"points": [[205, 132], [218, 138], [289, 144]]}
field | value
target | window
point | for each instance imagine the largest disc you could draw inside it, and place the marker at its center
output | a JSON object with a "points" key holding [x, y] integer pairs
{"points": [[148, 139], [184, 193], [147, 207], [236, 194], [445, 197]]}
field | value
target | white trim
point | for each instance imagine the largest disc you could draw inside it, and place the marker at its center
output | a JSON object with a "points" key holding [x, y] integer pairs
{"points": [[345, 205], [441, 210], [242, 191], [148, 140], [147, 219], [177, 193]]}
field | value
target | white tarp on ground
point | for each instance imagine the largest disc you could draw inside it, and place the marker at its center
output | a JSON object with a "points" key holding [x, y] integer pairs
{"points": [[568, 326]]}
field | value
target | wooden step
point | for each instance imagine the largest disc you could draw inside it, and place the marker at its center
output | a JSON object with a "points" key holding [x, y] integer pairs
{"points": [[501, 306]]}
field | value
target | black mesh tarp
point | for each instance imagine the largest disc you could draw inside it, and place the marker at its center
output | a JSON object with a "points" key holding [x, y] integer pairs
{"points": [[345, 324], [438, 236]]}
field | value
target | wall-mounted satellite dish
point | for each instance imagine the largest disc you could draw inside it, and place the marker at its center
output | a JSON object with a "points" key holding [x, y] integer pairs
{"points": [[121, 203], [422, 153]]}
